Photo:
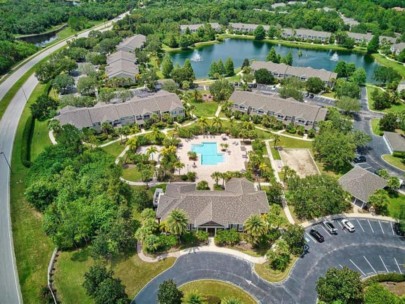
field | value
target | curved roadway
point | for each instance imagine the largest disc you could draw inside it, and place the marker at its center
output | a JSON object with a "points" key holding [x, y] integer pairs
{"points": [[373, 248], [10, 292]]}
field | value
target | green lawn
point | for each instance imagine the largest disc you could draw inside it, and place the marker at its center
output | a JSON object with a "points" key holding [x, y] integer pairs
{"points": [[205, 109], [400, 68], [376, 127], [288, 142], [395, 161], [396, 108], [40, 139], [132, 174], [32, 247], [329, 94], [396, 201], [69, 276], [217, 289], [114, 149], [268, 274], [72, 265]]}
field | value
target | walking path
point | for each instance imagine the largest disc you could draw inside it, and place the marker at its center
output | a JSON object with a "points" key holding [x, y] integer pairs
{"points": [[218, 111], [211, 247]]}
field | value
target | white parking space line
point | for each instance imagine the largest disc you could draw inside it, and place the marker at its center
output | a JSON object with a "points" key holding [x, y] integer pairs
{"points": [[369, 264], [392, 228], [370, 226], [357, 267], [325, 229], [341, 266], [310, 237], [307, 239], [360, 225], [381, 227], [383, 263], [399, 268]]}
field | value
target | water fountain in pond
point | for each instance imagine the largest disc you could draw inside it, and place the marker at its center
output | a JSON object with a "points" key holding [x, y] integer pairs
{"points": [[335, 57], [196, 57]]}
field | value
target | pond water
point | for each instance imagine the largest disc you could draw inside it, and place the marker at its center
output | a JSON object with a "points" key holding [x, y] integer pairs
{"points": [[239, 49]]}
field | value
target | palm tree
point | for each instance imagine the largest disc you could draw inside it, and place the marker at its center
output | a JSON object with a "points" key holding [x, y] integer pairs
{"points": [[262, 168], [194, 297], [179, 165], [197, 96], [168, 150], [150, 151], [216, 176], [217, 123], [255, 227], [120, 133], [133, 143], [177, 222], [203, 122]]}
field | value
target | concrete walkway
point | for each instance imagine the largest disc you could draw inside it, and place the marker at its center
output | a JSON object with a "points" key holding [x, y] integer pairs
{"points": [[218, 111], [282, 133], [274, 166], [211, 247]]}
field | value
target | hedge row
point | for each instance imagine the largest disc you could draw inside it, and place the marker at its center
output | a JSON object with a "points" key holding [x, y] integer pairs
{"points": [[399, 154], [386, 277], [26, 141]]}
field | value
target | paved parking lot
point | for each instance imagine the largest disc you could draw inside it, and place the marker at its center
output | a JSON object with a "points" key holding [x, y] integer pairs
{"points": [[373, 248]]}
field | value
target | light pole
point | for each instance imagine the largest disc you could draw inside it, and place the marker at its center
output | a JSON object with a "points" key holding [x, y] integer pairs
{"points": [[5, 158]]}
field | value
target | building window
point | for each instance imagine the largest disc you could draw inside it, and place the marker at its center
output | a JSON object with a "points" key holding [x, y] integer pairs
{"points": [[240, 227]]}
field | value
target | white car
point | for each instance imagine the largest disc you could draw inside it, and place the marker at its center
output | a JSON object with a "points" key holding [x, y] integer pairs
{"points": [[349, 226], [329, 226]]}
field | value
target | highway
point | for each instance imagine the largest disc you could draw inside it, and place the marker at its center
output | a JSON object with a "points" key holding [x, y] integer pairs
{"points": [[10, 292]]}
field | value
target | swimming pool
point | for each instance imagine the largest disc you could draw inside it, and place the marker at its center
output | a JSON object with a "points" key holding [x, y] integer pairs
{"points": [[208, 153]]}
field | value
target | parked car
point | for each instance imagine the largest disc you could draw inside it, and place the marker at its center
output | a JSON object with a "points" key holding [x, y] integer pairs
{"points": [[329, 226], [347, 225], [311, 95], [317, 235], [397, 229], [360, 159]]}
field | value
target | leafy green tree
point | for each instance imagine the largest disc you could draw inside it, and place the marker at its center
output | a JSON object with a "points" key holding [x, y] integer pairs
{"points": [[221, 90], [111, 291], [348, 104], [389, 122], [229, 67], [43, 107], [340, 285], [150, 78], [167, 66], [255, 228], [287, 59], [214, 70], [376, 294], [168, 293], [264, 76], [379, 200], [273, 56], [340, 69], [87, 85], [177, 222], [373, 45], [41, 194], [94, 277], [359, 76], [63, 82], [294, 237], [289, 91], [385, 74], [401, 56], [314, 85], [346, 88], [279, 255], [259, 33], [185, 41], [316, 195], [245, 63], [203, 185]]}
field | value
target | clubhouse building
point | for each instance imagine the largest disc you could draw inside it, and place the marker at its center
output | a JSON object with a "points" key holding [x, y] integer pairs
{"points": [[213, 210]]}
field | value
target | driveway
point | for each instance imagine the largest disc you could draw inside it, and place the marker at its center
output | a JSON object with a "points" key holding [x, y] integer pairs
{"points": [[373, 248], [9, 283]]}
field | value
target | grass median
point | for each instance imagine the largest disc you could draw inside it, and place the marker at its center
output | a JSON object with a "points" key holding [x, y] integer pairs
{"points": [[32, 247], [270, 275]]}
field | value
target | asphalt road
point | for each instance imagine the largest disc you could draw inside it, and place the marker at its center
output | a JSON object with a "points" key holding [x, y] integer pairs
{"points": [[373, 248], [10, 292]]}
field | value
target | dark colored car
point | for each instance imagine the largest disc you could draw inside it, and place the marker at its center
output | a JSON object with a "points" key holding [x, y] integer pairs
{"points": [[311, 95], [397, 229], [317, 235], [360, 159]]}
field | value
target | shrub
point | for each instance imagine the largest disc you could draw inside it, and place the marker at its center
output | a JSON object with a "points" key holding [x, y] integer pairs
{"points": [[203, 185], [385, 277], [184, 177], [191, 176], [26, 141], [201, 235], [227, 237]]}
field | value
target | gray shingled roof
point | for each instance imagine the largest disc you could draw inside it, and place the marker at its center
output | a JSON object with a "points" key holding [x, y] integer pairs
{"points": [[278, 105], [281, 68], [306, 32], [194, 27], [121, 55], [85, 117], [246, 26], [396, 141], [131, 43], [121, 68], [361, 183], [398, 47], [232, 206]]}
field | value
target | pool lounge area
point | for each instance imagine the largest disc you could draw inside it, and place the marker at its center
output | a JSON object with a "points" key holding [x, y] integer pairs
{"points": [[208, 152]]}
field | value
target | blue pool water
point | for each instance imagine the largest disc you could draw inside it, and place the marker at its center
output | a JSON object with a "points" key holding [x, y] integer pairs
{"points": [[208, 152]]}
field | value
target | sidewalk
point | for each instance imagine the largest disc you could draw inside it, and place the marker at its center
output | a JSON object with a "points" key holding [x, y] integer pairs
{"points": [[211, 247]]}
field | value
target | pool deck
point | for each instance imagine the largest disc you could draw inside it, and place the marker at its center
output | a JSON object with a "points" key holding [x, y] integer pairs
{"points": [[234, 157]]}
